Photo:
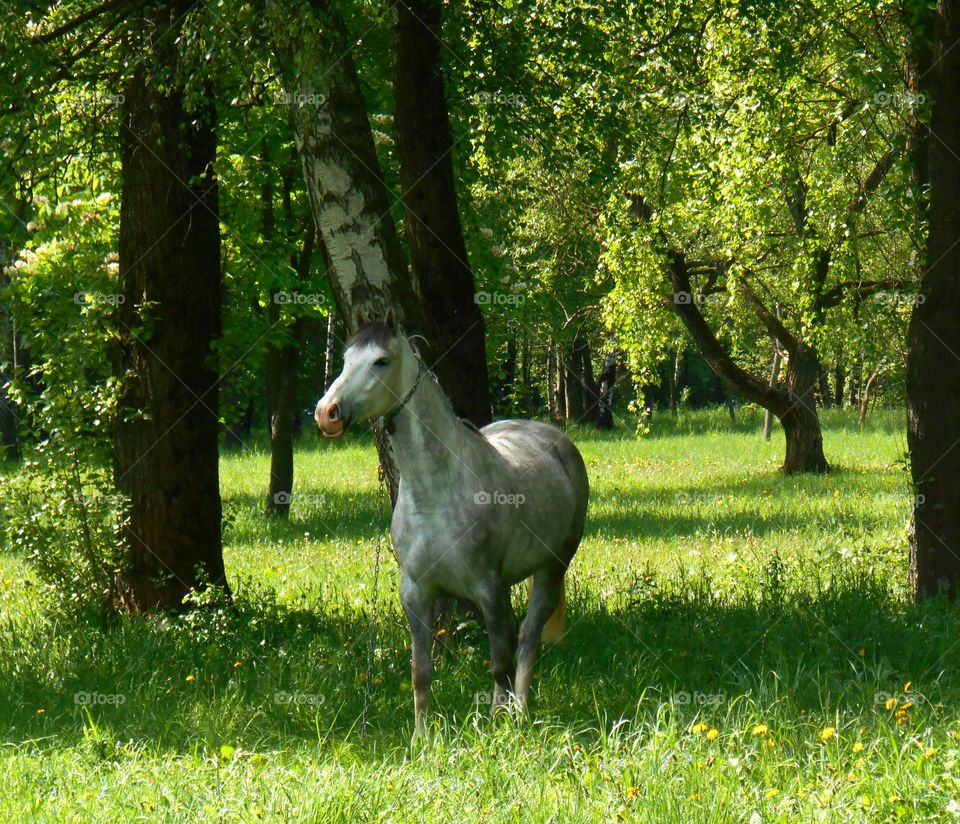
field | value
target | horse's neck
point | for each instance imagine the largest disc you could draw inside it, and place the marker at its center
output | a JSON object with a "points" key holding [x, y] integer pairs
{"points": [[431, 444]]}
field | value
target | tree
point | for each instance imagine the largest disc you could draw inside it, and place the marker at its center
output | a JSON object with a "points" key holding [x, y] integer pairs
{"points": [[442, 277], [165, 441], [933, 371]]}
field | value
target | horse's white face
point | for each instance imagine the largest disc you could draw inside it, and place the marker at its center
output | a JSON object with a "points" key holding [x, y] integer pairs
{"points": [[372, 383]]}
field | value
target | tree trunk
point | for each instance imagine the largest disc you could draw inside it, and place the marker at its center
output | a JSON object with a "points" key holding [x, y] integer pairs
{"points": [[933, 372], [281, 366], [800, 422], [563, 414], [794, 404], [774, 379], [865, 397], [677, 377], [856, 377], [583, 370], [341, 171], [608, 377], [443, 279], [165, 442], [839, 384], [552, 412]]}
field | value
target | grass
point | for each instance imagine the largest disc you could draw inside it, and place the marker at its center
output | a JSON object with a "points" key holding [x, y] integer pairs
{"points": [[740, 648]]}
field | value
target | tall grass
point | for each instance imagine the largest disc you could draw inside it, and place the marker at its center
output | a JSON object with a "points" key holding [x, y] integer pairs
{"points": [[740, 647]]}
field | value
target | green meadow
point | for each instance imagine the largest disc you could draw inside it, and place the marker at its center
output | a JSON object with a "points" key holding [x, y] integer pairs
{"points": [[740, 647]]}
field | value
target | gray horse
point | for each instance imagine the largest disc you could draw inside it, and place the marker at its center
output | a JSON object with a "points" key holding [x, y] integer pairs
{"points": [[476, 512]]}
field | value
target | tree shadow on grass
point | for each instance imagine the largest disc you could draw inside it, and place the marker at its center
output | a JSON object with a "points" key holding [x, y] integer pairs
{"points": [[680, 511], [265, 676]]}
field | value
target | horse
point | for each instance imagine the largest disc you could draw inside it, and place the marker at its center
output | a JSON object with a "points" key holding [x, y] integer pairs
{"points": [[477, 510]]}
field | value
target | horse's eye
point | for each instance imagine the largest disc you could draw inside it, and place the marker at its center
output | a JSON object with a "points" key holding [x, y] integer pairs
{"points": [[381, 362]]}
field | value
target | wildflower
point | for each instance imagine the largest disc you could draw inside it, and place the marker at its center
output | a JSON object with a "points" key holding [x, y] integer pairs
{"points": [[891, 703], [189, 678], [773, 792], [858, 747], [929, 752], [906, 687], [41, 712], [237, 664], [761, 729], [699, 728], [713, 734], [632, 792], [827, 733]]}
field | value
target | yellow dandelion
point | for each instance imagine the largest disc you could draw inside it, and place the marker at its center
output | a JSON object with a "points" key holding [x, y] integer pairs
{"points": [[713, 734], [761, 729], [906, 687], [858, 747], [190, 678], [827, 733], [929, 752], [699, 728], [41, 712], [773, 792], [632, 792], [237, 664], [891, 703]]}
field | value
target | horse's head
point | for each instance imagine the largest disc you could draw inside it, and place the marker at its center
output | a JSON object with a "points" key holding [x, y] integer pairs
{"points": [[379, 368]]}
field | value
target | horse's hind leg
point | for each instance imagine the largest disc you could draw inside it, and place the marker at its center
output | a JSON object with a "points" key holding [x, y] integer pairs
{"points": [[502, 632], [418, 606], [547, 588]]}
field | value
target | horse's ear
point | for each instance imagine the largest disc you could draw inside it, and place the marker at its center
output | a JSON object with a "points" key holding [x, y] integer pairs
{"points": [[390, 319], [359, 317]]}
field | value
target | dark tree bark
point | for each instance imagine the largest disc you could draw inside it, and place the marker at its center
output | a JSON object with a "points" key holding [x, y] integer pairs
{"points": [[165, 443], [563, 413], [588, 386], [933, 372], [794, 404], [443, 279], [608, 379], [282, 365], [839, 384]]}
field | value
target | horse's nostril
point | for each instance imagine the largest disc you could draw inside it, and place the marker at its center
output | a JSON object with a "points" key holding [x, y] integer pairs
{"points": [[333, 412]]}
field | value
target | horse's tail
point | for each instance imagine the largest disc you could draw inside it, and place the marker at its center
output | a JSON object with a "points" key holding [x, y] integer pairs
{"points": [[553, 629]]}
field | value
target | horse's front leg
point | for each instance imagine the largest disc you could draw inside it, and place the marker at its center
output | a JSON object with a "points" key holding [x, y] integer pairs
{"points": [[502, 632], [418, 606]]}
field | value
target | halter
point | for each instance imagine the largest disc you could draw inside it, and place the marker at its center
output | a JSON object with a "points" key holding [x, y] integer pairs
{"points": [[422, 370]]}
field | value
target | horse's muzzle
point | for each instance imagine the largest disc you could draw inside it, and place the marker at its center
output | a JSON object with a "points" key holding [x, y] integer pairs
{"points": [[329, 417]]}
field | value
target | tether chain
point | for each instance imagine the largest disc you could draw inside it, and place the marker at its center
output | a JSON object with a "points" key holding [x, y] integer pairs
{"points": [[372, 634]]}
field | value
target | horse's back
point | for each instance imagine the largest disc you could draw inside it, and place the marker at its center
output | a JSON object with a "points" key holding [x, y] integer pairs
{"points": [[546, 466]]}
